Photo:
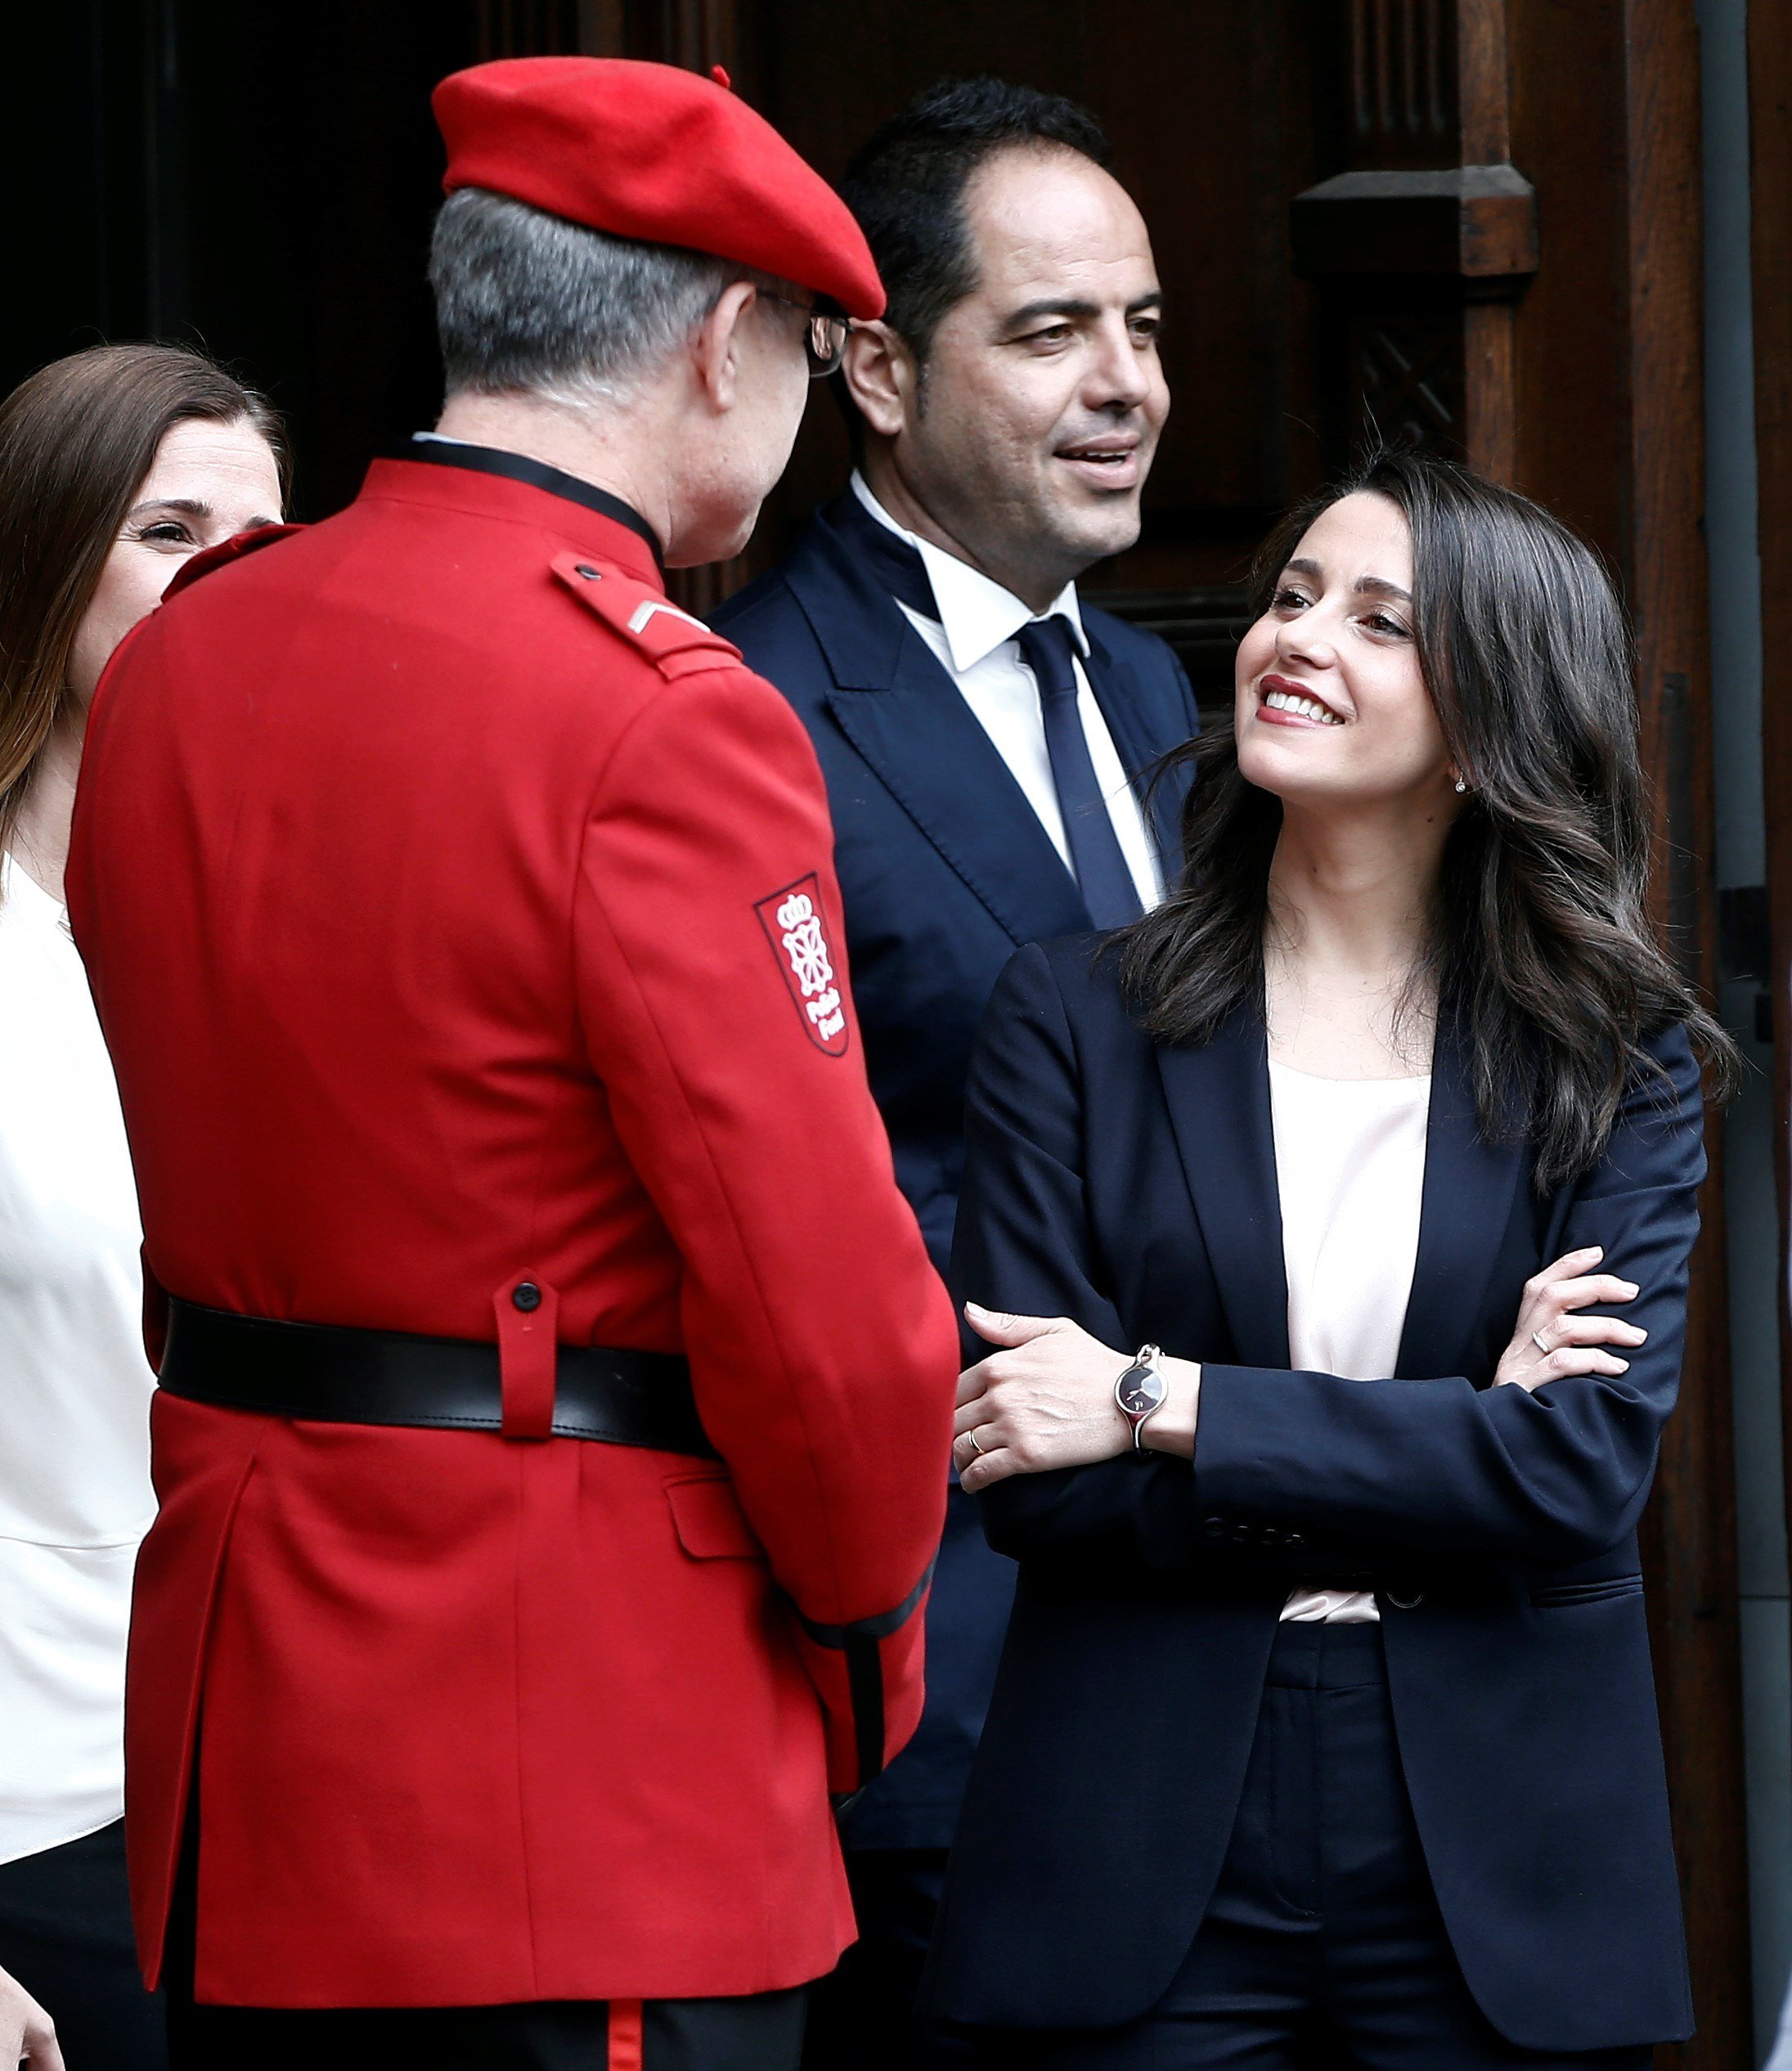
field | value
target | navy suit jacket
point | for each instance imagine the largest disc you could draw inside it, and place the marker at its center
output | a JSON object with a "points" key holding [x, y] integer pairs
{"points": [[1132, 1187], [945, 869]]}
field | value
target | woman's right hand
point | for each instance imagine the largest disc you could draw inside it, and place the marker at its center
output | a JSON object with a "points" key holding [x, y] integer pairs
{"points": [[1551, 1340], [27, 2033]]}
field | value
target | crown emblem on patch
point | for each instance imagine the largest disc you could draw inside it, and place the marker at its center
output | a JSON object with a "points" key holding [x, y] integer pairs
{"points": [[798, 931]]}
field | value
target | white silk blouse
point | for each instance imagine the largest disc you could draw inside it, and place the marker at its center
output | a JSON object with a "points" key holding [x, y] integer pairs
{"points": [[1350, 1167], [74, 1390]]}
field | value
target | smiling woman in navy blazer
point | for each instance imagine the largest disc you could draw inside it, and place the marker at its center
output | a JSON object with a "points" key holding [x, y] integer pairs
{"points": [[1325, 1732]]}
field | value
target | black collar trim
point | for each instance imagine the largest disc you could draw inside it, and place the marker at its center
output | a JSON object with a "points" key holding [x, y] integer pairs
{"points": [[517, 467]]}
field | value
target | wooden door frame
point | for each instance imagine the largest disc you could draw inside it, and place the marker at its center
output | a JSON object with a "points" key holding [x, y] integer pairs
{"points": [[1690, 1533], [1769, 182]]}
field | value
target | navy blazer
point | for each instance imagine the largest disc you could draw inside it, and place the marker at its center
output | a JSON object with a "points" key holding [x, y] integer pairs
{"points": [[945, 869], [1132, 1187]]}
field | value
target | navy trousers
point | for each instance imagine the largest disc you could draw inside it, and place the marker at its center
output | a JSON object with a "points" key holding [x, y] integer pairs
{"points": [[763, 2033], [1323, 1947], [863, 2016], [65, 1935]]}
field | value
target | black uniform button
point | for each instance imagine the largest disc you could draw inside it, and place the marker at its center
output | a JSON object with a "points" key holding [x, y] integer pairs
{"points": [[526, 1295], [585, 569], [1214, 1528], [1295, 1541], [1270, 1536], [1243, 1533]]}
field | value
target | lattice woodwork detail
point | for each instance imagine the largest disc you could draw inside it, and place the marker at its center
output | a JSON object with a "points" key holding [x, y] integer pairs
{"points": [[1407, 378]]}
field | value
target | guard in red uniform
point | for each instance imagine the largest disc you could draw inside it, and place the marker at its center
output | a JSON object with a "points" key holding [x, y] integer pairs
{"points": [[555, 1394]]}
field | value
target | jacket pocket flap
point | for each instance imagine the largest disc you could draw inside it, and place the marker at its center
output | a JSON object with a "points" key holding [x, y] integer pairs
{"points": [[709, 1520]]}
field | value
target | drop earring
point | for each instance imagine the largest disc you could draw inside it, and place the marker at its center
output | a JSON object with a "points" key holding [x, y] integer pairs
{"points": [[1460, 787]]}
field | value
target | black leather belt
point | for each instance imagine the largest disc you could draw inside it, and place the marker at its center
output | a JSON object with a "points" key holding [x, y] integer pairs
{"points": [[324, 1374]]}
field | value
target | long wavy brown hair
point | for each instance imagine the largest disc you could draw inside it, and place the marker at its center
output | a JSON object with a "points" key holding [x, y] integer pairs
{"points": [[1541, 956], [76, 439]]}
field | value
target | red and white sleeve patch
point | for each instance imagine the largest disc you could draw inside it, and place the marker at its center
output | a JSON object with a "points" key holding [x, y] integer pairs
{"points": [[798, 931]]}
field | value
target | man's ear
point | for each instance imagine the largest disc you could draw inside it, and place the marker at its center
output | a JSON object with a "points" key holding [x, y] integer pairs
{"points": [[715, 343], [880, 375]]}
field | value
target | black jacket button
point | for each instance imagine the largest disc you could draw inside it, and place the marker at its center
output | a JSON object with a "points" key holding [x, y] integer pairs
{"points": [[1214, 1528], [1295, 1541], [526, 1295], [1270, 1536], [1243, 1533]]}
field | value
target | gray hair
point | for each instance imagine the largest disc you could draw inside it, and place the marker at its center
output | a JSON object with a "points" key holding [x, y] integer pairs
{"points": [[528, 302]]}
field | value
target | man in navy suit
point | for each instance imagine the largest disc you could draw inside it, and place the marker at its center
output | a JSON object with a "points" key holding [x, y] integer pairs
{"points": [[987, 742]]}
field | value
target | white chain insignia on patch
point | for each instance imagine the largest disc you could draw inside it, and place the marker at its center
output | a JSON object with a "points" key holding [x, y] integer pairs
{"points": [[798, 931]]}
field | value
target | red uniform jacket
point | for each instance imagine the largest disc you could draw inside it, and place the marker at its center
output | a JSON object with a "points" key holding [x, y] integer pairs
{"points": [[458, 910]]}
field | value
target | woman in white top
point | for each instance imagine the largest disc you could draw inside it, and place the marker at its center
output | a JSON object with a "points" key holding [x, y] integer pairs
{"points": [[1334, 1219], [115, 465]]}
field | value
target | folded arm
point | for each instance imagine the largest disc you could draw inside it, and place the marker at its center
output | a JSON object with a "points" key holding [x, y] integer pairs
{"points": [[1316, 1466]]}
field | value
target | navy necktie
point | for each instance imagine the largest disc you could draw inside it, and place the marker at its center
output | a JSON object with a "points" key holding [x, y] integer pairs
{"points": [[1107, 886]]}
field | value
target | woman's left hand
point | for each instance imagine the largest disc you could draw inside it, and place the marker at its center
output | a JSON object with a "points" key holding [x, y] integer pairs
{"points": [[1046, 1400]]}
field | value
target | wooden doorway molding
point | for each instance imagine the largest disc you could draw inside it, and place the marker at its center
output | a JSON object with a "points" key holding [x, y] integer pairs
{"points": [[1770, 134]]}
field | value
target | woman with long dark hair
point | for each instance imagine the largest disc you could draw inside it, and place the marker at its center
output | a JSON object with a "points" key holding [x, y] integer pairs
{"points": [[116, 466], [1333, 1223]]}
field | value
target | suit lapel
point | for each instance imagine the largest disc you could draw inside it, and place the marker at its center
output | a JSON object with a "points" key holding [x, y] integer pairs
{"points": [[1117, 693], [906, 718], [1218, 1099], [1468, 1200]]}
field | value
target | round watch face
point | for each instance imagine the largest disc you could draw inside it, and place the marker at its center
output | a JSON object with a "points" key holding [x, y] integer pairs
{"points": [[1139, 1390]]}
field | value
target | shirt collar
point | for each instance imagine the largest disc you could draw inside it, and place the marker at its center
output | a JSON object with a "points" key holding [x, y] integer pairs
{"points": [[977, 614]]}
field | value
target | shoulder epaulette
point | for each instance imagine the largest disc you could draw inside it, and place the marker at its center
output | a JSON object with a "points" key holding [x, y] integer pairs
{"points": [[676, 644], [198, 565]]}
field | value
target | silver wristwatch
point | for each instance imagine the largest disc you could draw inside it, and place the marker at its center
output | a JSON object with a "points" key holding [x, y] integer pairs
{"points": [[1140, 1392]]}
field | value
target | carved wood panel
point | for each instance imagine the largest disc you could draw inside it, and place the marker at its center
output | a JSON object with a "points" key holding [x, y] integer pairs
{"points": [[1402, 81], [1405, 373], [1426, 231]]}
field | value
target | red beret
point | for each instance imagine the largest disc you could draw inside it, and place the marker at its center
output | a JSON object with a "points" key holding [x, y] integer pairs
{"points": [[654, 152]]}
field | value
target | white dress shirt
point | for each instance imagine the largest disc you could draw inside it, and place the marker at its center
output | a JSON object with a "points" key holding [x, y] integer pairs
{"points": [[974, 639], [1350, 1167], [74, 1390]]}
